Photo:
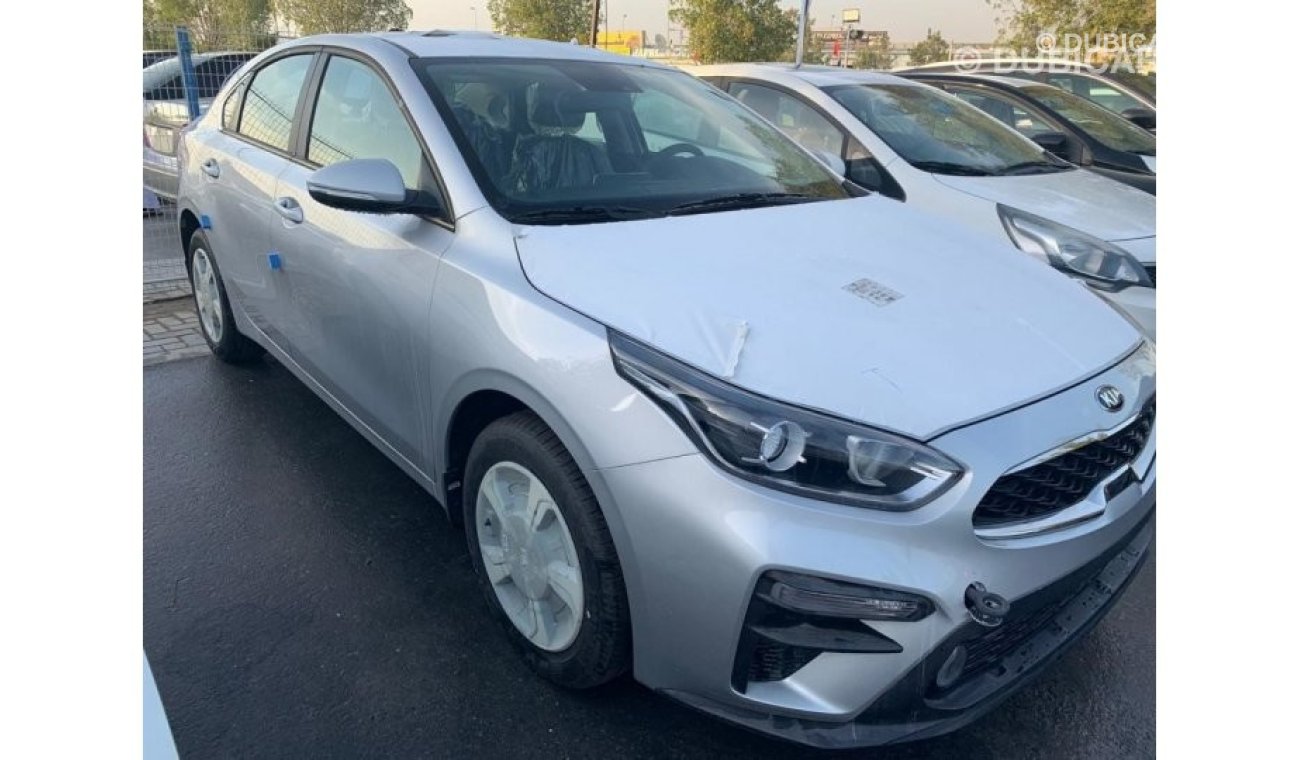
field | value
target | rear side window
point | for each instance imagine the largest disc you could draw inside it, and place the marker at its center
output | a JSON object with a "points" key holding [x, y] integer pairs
{"points": [[356, 116], [230, 109], [271, 99]]}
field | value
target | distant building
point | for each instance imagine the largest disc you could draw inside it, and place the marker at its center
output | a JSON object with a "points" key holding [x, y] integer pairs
{"points": [[625, 41]]}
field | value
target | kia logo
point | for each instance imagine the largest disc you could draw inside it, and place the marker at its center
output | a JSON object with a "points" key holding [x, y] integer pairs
{"points": [[1110, 398]]}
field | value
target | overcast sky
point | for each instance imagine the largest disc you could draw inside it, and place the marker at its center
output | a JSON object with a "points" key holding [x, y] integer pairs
{"points": [[905, 20]]}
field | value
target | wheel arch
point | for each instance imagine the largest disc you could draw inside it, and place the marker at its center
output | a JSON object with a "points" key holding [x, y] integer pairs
{"points": [[187, 224], [481, 397]]}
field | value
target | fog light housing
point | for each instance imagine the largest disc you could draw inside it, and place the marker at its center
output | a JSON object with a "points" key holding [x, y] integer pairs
{"points": [[825, 597]]}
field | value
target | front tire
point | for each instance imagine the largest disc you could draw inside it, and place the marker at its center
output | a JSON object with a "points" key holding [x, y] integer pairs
{"points": [[543, 554], [216, 321]]}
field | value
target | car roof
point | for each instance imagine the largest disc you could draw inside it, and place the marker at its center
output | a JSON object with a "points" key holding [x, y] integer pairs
{"points": [[819, 76], [1006, 81], [1048, 63], [441, 43]]}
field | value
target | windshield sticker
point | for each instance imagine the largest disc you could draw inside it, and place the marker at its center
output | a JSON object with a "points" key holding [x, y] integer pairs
{"points": [[873, 291]]}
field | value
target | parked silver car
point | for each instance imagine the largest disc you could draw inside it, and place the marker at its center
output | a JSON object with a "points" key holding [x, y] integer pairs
{"points": [[812, 461], [166, 110]]}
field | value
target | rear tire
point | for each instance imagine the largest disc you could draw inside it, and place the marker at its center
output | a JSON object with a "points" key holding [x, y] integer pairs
{"points": [[216, 321], [522, 454]]}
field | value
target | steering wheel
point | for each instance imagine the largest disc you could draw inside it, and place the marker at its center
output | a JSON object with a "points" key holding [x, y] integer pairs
{"points": [[677, 149]]}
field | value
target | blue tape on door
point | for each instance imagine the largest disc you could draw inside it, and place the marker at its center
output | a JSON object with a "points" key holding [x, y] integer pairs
{"points": [[205, 221], [273, 259]]}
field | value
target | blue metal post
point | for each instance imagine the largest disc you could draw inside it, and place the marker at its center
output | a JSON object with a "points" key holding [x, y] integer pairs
{"points": [[188, 79]]}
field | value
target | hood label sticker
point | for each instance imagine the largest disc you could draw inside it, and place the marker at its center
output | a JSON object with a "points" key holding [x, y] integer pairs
{"points": [[870, 290]]}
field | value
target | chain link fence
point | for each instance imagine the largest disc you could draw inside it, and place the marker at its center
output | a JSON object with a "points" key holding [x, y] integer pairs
{"points": [[184, 68]]}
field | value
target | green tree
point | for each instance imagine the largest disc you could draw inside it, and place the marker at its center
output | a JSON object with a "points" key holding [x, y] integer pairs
{"points": [[321, 16], [661, 42], [559, 20], [933, 48], [875, 54], [1022, 21], [213, 24], [735, 30], [812, 47]]}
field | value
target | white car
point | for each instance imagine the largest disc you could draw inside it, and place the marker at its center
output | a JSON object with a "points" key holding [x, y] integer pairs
{"points": [[917, 144]]}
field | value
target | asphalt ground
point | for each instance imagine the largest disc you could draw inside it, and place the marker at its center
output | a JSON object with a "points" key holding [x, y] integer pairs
{"points": [[304, 598]]}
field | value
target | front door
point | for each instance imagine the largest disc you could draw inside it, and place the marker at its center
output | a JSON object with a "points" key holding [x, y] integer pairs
{"points": [[357, 288]]}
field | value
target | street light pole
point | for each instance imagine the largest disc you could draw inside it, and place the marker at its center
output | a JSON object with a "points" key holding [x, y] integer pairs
{"points": [[803, 32], [595, 22]]}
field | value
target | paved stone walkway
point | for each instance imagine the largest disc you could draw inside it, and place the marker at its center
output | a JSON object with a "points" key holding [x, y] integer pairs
{"points": [[171, 331]]}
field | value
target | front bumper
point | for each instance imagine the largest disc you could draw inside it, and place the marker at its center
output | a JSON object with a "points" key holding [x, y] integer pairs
{"points": [[1045, 624], [695, 543]]}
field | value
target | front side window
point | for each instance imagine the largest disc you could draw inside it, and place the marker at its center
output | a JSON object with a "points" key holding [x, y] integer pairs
{"points": [[1005, 110], [936, 132], [792, 116], [609, 138], [271, 100], [356, 116], [1109, 129]]}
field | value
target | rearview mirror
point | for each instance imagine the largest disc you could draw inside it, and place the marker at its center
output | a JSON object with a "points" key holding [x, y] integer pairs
{"points": [[367, 185], [1143, 117], [1054, 143]]}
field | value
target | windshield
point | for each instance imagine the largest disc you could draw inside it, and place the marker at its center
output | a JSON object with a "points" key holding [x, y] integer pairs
{"points": [[563, 141], [939, 133], [1111, 130]]}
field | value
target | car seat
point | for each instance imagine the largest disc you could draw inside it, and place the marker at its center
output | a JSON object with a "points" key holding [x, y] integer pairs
{"points": [[553, 157]]}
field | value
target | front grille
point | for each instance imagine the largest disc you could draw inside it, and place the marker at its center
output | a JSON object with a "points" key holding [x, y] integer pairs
{"points": [[1151, 272], [1063, 481]]}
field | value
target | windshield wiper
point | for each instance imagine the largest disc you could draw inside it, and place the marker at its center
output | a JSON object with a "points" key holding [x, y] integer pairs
{"points": [[1025, 167], [947, 167], [739, 201], [581, 214]]}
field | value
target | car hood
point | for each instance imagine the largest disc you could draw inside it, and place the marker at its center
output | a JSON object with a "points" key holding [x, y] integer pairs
{"points": [[863, 308], [1080, 199]]}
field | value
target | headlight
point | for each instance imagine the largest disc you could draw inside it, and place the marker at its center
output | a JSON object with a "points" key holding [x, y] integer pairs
{"points": [[786, 447], [1078, 254]]}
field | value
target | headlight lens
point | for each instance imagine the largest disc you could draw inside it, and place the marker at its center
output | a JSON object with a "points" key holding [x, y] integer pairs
{"points": [[1078, 254], [784, 446]]}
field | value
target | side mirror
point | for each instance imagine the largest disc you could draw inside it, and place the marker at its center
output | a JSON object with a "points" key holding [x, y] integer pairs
{"points": [[1143, 117], [832, 161], [1055, 143], [367, 185]]}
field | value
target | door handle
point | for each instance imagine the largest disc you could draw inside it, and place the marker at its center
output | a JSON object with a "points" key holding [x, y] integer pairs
{"points": [[211, 168], [289, 209]]}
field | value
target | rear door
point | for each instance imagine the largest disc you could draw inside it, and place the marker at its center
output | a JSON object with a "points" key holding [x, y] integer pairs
{"points": [[239, 168], [356, 289]]}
